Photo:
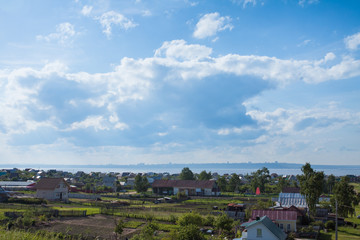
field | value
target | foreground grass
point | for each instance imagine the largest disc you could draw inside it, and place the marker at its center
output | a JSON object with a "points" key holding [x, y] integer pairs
{"points": [[344, 233], [26, 235]]}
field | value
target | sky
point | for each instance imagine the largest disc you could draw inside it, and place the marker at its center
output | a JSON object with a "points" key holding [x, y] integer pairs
{"points": [[179, 81]]}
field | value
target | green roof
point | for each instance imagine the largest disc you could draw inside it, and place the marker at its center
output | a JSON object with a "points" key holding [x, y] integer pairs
{"points": [[268, 224]]}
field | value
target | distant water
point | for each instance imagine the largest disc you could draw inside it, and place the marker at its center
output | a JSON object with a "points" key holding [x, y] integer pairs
{"points": [[177, 169]]}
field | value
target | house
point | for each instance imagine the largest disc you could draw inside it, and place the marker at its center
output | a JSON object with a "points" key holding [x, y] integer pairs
{"points": [[236, 211], [292, 199], [53, 189], [109, 181], [262, 228], [286, 220], [188, 187]]}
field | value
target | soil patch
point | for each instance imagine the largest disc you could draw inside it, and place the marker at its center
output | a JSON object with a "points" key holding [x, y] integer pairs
{"points": [[90, 227]]}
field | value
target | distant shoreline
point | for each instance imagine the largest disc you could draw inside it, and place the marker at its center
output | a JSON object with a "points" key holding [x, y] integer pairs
{"points": [[221, 168]]}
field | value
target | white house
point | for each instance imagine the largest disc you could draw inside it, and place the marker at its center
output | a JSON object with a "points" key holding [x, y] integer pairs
{"points": [[53, 189], [188, 187], [262, 228]]}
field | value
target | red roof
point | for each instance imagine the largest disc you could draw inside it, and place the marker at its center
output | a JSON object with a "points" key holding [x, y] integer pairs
{"points": [[184, 183], [275, 214], [50, 183], [291, 190]]}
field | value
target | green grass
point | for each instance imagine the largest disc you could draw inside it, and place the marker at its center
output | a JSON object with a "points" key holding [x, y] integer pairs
{"points": [[344, 233], [26, 235], [133, 224]]}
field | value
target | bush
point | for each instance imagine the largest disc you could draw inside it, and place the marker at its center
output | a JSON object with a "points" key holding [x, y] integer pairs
{"points": [[330, 225], [27, 200], [318, 223]]}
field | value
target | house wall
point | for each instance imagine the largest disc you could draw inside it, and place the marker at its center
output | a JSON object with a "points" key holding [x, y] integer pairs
{"points": [[285, 224], [266, 233], [54, 194]]}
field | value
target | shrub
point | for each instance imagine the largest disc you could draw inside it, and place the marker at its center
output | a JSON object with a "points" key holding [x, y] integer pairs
{"points": [[330, 225], [27, 200]]}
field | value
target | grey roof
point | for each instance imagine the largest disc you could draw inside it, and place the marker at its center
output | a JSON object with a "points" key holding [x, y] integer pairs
{"points": [[15, 183], [269, 225], [292, 199]]}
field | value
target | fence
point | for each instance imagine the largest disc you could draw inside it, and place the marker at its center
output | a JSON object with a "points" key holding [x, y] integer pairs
{"points": [[49, 213], [84, 196]]}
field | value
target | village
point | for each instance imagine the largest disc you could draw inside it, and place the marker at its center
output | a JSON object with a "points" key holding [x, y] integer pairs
{"points": [[63, 205]]}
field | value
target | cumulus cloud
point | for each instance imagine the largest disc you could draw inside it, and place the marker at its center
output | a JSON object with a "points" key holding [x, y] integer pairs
{"points": [[111, 18], [65, 33], [182, 85], [210, 24], [352, 42], [179, 49], [86, 10]]}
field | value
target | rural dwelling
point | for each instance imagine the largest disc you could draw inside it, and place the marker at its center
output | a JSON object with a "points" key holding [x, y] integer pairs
{"points": [[261, 228], [292, 199], [188, 187], [286, 220], [236, 211], [53, 189]]}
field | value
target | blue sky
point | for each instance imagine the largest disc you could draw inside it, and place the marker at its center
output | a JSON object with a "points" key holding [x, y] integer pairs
{"points": [[181, 81]]}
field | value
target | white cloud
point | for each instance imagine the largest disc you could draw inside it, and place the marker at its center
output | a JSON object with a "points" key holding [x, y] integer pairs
{"points": [[146, 13], [99, 123], [65, 32], [245, 2], [108, 19], [304, 2], [210, 24], [86, 10], [180, 50], [352, 42]]}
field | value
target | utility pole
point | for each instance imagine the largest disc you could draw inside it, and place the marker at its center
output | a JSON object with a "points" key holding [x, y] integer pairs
{"points": [[336, 220]]}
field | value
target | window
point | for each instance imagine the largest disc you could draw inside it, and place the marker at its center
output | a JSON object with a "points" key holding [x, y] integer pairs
{"points": [[259, 232], [288, 227], [281, 226]]}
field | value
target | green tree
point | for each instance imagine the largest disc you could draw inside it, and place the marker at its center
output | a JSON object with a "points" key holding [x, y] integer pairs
{"points": [[282, 182], [234, 183], [346, 197], [205, 176], [224, 223], [119, 228], [330, 183], [222, 183], [311, 183], [187, 174], [147, 232], [141, 184], [259, 179], [190, 232], [190, 218]]}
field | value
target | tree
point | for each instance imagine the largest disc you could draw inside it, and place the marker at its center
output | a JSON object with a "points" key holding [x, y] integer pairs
{"points": [[189, 232], [205, 176], [346, 197], [147, 232], [141, 184], [119, 228], [224, 223], [234, 183], [222, 183], [282, 182], [187, 174], [311, 183], [190, 219], [330, 183], [259, 179]]}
